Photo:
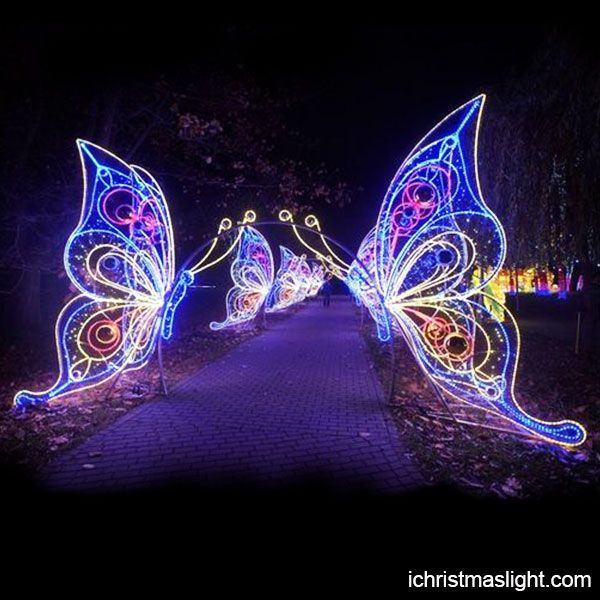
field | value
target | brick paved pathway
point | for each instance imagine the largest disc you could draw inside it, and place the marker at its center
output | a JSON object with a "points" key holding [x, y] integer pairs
{"points": [[299, 401]]}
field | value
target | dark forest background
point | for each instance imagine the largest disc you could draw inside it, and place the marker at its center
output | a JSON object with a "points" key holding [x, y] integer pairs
{"points": [[310, 118]]}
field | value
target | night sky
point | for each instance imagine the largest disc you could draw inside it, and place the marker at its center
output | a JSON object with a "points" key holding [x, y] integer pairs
{"points": [[370, 90]]}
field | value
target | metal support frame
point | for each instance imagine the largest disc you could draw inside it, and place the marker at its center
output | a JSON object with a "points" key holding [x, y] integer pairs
{"points": [[483, 425], [161, 368]]}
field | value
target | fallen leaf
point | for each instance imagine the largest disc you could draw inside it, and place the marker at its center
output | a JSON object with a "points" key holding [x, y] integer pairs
{"points": [[59, 440]]}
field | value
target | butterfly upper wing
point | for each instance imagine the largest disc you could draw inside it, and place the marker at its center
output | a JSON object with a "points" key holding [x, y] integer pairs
{"points": [[433, 235], [252, 273], [434, 185], [120, 257], [123, 244]]}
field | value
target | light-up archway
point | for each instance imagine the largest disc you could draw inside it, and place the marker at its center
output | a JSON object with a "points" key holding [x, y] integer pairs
{"points": [[414, 272]]}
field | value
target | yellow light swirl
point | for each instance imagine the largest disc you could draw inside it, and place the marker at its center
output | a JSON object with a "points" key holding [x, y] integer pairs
{"points": [[225, 225], [338, 270]]}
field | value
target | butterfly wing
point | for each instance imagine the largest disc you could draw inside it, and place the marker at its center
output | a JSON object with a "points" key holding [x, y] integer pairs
{"points": [[123, 244], [96, 339], [120, 257], [252, 274], [433, 234], [472, 356], [436, 190]]}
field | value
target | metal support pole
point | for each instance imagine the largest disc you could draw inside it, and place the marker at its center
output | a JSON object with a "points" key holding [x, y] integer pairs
{"points": [[113, 385], [441, 398], [483, 425], [438, 394], [161, 368], [578, 332], [392, 372]]}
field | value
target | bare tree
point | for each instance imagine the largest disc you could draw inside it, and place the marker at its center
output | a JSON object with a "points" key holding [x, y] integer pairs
{"points": [[540, 147]]}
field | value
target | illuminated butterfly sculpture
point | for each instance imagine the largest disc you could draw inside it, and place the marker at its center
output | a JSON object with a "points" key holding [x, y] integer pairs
{"points": [[252, 273], [290, 284], [121, 260], [304, 274], [360, 279], [317, 279], [432, 232]]}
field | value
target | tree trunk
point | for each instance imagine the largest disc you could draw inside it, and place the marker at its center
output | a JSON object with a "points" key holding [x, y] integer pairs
{"points": [[29, 307], [108, 119]]}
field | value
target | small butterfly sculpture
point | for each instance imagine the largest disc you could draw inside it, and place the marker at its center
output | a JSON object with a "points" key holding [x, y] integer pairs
{"points": [[121, 260], [360, 279], [304, 273], [252, 273], [317, 279], [290, 282], [433, 232]]}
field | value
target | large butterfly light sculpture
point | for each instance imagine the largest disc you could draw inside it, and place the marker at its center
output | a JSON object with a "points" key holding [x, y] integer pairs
{"points": [[433, 232], [252, 273], [121, 259]]}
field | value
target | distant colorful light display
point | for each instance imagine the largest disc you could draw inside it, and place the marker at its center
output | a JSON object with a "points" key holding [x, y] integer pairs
{"points": [[541, 281]]}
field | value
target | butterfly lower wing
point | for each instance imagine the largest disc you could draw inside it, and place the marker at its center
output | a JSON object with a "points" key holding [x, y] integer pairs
{"points": [[95, 341], [252, 275], [472, 356], [285, 292]]}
